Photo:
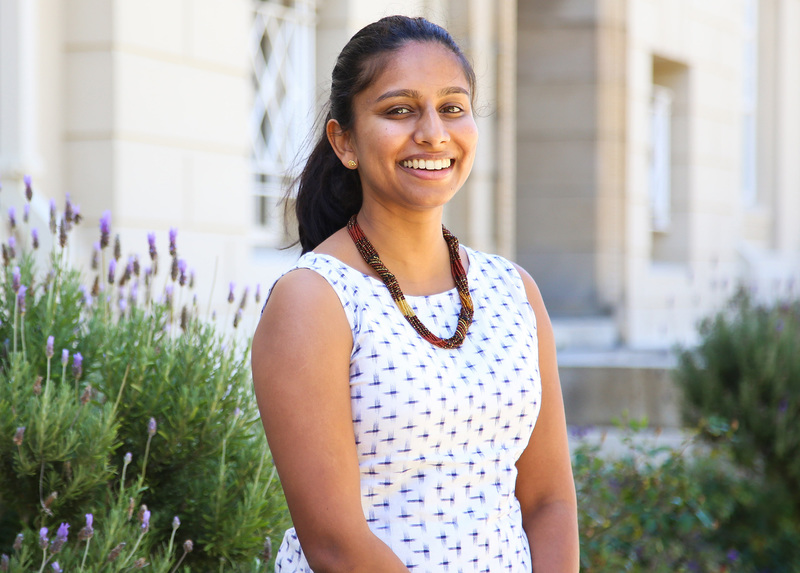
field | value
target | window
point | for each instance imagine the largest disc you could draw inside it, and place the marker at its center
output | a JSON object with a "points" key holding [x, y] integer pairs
{"points": [[669, 161], [661, 157], [282, 53]]}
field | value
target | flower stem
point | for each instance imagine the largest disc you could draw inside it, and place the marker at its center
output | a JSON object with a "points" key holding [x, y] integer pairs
{"points": [[16, 308], [171, 540], [135, 547], [22, 337], [85, 553], [146, 454], [44, 559], [178, 564]]}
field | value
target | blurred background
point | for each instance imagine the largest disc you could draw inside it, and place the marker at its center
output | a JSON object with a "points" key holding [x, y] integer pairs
{"points": [[640, 158]]}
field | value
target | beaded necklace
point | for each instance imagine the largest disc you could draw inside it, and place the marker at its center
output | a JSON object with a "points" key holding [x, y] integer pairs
{"points": [[371, 257]]}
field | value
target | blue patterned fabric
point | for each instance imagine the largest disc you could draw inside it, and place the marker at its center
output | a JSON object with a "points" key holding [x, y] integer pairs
{"points": [[438, 431]]}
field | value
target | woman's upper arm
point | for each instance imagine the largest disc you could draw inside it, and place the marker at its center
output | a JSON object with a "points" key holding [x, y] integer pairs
{"points": [[544, 469], [300, 359]]}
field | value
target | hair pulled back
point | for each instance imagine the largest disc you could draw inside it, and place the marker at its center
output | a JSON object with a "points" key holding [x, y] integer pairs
{"points": [[328, 193]]}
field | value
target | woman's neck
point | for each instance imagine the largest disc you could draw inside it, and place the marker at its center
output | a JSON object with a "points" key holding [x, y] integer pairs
{"points": [[412, 248]]}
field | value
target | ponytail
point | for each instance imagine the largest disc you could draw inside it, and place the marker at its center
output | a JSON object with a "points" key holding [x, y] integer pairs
{"points": [[328, 194]]}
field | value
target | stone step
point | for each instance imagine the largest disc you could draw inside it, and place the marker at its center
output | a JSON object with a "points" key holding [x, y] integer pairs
{"points": [[598, 333], [599, 387]]}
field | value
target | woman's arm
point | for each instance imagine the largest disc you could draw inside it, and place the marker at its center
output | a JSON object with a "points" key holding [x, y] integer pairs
{"points": [[545, 487], [300, 358]]}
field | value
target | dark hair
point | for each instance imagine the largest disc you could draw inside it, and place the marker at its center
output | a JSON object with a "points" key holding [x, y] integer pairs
{"points": [[328, 193]]}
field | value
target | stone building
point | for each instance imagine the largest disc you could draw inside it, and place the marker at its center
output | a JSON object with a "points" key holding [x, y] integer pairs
{"points": [[638, 157]]}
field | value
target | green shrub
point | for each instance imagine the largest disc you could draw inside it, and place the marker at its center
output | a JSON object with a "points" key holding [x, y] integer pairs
{"points": [[645, 509], [745, 373], [119, 402]]}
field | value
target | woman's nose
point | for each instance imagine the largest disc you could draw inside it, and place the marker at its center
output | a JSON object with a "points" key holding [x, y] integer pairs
{"points": [[431, 130]]}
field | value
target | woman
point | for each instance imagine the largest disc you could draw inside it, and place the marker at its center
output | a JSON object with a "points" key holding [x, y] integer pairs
{"points": [[400, 410]]}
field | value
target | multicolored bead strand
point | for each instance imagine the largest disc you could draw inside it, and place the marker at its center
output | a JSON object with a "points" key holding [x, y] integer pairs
{"points": [[371, 257]]}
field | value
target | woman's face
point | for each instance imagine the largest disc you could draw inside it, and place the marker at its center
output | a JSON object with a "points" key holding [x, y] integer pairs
{"points": [[413, 133]]}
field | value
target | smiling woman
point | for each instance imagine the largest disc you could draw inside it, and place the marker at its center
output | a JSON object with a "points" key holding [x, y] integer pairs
{"points": [[400, 405]]}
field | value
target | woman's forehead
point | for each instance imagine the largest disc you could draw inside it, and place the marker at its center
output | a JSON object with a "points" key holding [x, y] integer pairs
{"points": [[419, 67]]}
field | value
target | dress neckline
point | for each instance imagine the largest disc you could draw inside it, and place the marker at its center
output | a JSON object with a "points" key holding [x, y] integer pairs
{"points": [[378, 282]]}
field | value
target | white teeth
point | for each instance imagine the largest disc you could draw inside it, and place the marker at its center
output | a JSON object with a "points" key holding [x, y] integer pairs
{"points": [[428, 164]]}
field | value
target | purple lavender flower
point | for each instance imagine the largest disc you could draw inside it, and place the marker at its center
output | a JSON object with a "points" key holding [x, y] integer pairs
{"points": [[127, 458], [105, 229], [28, 187], [48, 349], [231, 288], [53, 228], [173, 235], [77, 365], [152, 427], [21, 298], [26, 212], [112, 269], [61, 538], [68, 212], [146, 519], [258, 293], [64, 357], [19, 436], [188, 546], [176, 523], [12, 217], [237, 412], [87, 296], [96, 256], [733, 555], [151, 242], [16, 279], [43, 541], [18, 542], [76, 214], [182, 272], [4, 562], [63, 228], [245, 296], [191, 278], [35, 238], [56, 567], [12, 247], [88, 531]]}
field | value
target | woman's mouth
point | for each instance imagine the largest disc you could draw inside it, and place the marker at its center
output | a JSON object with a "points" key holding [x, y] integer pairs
{"points": [[427, 164]]}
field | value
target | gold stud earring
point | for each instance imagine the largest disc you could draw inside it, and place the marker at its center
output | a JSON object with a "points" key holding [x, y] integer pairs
{"points": [[352, 164]]}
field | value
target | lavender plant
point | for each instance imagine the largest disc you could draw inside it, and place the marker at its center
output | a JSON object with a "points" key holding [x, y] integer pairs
{"points": [[120, 410]]}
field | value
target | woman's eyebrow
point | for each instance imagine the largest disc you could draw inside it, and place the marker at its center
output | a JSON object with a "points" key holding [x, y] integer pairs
{"points": [[414, 94]]}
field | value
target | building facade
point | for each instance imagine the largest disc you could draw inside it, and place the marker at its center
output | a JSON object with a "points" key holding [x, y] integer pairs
{"points": [[638, 157]]}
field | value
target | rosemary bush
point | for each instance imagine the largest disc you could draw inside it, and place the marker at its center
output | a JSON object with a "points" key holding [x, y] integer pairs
{"points": [[745, 375], [647, 510], [128, 432]]}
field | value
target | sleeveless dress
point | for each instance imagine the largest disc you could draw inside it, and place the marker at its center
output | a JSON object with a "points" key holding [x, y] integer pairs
{"points": [[438, 431]]}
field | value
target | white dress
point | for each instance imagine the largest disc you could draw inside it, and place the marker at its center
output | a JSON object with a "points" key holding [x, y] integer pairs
{"points": [[439, 431]]}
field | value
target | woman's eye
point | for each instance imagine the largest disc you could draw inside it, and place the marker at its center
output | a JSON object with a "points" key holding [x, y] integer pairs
{"points": [[452, 109], [399, 111]]}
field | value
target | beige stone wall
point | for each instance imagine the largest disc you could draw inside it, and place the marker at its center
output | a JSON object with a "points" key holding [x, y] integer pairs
{"points": [[559, 190], [717, 239], [141, 108]]}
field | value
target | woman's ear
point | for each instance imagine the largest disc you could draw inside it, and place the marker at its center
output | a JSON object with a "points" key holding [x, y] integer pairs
{"points": [[342, 143]]}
